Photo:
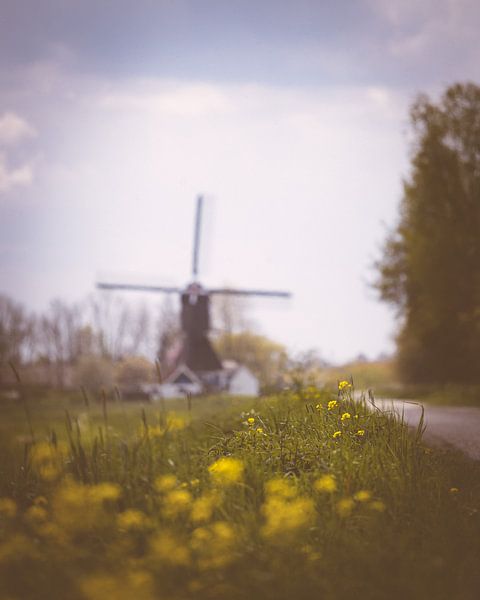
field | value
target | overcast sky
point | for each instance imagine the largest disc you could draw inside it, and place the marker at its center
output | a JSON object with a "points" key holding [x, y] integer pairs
{"points": [[290, 116]]}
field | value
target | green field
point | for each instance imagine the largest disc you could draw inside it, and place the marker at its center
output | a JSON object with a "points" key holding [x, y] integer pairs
{"points": [[305, 494]]}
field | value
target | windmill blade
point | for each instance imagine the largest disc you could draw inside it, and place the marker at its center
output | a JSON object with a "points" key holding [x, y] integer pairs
{"points": [[138, 288], [237, 292], [196, 238]]}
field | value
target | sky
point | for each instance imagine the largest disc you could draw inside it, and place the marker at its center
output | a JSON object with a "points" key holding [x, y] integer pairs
{"points": [[291, 117]]}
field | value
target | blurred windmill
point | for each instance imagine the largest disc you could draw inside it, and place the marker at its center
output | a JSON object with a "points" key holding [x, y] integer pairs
{"points": [[196, 351]]}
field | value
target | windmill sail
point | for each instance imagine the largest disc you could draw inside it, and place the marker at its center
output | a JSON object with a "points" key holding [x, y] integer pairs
{"points": [[196, 351]]}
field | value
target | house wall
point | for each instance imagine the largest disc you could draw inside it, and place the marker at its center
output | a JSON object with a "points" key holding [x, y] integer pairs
{"points": [[244, 383], [174, 390]]}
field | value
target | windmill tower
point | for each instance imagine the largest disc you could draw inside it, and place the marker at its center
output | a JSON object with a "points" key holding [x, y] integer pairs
{"points": [[196, 352]]}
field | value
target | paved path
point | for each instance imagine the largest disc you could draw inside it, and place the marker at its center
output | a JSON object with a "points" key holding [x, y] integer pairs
{"points": [[458, 426]]}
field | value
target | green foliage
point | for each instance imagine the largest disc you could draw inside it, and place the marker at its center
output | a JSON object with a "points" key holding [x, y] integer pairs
{"points": [[133, 371], [265, 500], [430, 268], [265, 358], [94, 373]]}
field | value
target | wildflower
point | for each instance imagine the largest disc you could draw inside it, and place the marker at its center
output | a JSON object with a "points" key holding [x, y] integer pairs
{"points": [[345, 506], [8, 508], [250, 420], [131, 520], [377, 505], [36, 514], [47, 459], [226, 470], [363, 496], [280, 487], [356, 416], [176, 502], [346, 416], [135, 584], [164, 483], [259, 430], [318, 407], [40, 501], [332, 404], [203, 507], [213, 545], [105, 492], [453, 490], [168, 548], [360, 432], [286, 517], [336, 435], [344, 385], [326, 483]]}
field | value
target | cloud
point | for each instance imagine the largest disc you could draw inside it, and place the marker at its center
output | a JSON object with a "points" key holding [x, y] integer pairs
{"points": [[13, 177], [14, 129], [168, 98]]}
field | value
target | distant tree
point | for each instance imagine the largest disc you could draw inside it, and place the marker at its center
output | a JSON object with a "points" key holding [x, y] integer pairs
{"points": [[167, 332], [230, 313], [94, 373], [430, 269], [132, 371], [266, 359], [59, 338], [17, 330]]}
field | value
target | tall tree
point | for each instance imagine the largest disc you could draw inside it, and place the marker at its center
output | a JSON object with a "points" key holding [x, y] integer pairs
{"points": [[430, 269]]}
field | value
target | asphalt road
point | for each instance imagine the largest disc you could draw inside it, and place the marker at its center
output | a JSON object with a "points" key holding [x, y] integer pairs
{"points": [[458, 426]]}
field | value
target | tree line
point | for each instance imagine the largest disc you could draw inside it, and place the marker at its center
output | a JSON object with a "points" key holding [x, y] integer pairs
{"points": [[104, 325], [430, 265]]}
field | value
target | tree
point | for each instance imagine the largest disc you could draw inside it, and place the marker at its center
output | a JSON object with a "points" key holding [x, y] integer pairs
{"points": [[133, 371], [266, 359], [94, 373], [16, 332], [430, 269], [59, 336]]}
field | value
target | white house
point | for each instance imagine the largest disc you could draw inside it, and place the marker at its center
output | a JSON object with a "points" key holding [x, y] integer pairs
{"points": [[233, 379]]}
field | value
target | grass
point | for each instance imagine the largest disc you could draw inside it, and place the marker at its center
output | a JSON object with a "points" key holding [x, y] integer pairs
{"points": [[382, 377], [233, 498]]}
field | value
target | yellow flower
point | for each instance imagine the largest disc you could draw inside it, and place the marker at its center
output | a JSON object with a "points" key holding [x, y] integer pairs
{"points": [[259, 430], [203, 507], [131, 520], [40, 501], [8, 508], [318, 407], [326, 483], [332, 404], [280, 487], [226, 470], [164, 483], [360, 432], [337, 434], [344, 385], [346, 416], [377, 505], [345, 506], [363, 496], [454, 490], [105, 492], [250, 420], [213, 545], [36, 514], [168, 548], [176, 502], [286, 517]]}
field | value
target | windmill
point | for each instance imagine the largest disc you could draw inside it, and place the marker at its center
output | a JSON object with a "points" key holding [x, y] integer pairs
{"points": [[196, 351]]}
